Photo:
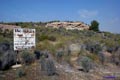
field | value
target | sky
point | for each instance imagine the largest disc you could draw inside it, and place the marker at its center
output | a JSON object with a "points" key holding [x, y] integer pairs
{"points": [[106, 12]]}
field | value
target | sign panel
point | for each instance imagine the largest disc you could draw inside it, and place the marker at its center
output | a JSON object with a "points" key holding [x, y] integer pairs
{"points": [[24, 38]]}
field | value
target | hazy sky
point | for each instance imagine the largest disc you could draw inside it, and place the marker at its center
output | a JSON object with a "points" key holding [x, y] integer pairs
{"points": [[107, 12]]}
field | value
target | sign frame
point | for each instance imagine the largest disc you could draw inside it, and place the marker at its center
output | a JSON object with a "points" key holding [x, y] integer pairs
{"points": [[24, 39]]}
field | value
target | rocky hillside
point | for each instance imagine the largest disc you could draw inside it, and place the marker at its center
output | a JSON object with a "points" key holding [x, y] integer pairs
{"points": [[8, 27], [68, 25], [62, 54]]}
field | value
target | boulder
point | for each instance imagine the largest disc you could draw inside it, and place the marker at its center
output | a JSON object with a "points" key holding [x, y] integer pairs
{"points": [[7, 56], [75, 49]]}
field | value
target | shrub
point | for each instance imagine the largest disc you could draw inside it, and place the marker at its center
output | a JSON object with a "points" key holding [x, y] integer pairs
{"points": [[27, 57], [89, 33], [101, 57], [93, 57], [45, 54], [112, 48], [68, 52], [86, 64], [43, 37], [46, 37], [93, 47], [20, 73], [59, 55], [47, 66], [116, 57], [52, 38], [37, 54]]}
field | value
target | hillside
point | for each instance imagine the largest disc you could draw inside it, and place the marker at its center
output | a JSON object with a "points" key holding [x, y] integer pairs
{"points": [[9, 27], [62, 54]]}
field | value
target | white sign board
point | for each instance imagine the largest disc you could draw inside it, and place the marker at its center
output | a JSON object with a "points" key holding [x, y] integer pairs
{"points": [[24, 38]]}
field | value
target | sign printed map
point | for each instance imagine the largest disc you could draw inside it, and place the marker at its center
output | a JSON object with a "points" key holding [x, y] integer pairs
{"points": [[24, 38]]}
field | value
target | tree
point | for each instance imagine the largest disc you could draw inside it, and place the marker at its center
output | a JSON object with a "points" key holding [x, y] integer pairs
{"points": [[94, 25]]}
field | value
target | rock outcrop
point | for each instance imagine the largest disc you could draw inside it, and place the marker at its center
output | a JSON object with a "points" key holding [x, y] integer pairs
{"points": [[68, 25], [8, 27]]}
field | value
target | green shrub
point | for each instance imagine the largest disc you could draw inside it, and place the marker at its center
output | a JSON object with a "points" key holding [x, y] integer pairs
{"points": [[43, 37], [20, 73], [86, 64], [93, 47], [93, 57], [59, 55], [52, 38], [47, 66], [27, 57], [46, 37], [101, 57]]}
